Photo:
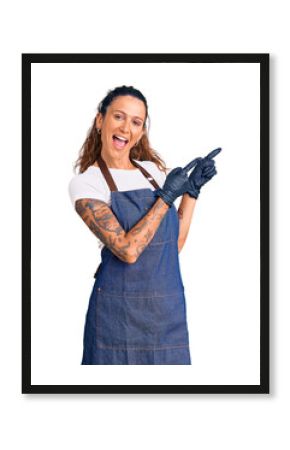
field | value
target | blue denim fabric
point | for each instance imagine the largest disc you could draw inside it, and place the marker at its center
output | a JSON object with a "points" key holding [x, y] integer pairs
{"points": [[137, 312]]}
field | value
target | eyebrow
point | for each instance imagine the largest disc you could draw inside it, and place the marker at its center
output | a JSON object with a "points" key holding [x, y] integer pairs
{"points": [[120, 110]]}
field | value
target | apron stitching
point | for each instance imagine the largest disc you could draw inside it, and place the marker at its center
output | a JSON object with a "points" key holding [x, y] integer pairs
{"points": [[112, 294], [159, 242], [151, 244], [149, 348]]}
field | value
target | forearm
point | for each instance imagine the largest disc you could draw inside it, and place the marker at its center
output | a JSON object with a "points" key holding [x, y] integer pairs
{"points": [[185, 213], [127, 246], [143, 232]]}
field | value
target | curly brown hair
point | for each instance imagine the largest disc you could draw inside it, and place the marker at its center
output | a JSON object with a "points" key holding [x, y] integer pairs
{"points": [[92, 146]]}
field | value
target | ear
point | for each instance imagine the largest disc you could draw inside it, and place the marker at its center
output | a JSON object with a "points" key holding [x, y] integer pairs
{"points": [[99, 120]]}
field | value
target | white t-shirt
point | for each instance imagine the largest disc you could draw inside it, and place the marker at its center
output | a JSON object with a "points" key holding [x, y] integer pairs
{"points": [[92, 184]]}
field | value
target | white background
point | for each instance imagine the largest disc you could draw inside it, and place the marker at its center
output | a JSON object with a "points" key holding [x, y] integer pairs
{"points": [[193, 108], [203, 421]]}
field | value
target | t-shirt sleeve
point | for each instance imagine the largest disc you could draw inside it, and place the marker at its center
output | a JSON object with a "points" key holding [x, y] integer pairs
{"points": [[80, 188], [159, 175]]}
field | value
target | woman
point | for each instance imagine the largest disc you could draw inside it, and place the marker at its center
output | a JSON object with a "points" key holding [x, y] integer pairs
{"points": [[136, 312]]}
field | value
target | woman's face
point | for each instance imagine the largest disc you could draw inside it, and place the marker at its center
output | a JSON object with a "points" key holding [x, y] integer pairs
{"points": [[124, 119]]}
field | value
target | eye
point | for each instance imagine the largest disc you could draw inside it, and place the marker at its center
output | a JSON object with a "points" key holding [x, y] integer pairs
{"points": [[117, 116], [137, 123]]}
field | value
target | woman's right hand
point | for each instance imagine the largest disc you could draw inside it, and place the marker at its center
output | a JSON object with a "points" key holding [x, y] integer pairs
{"points": [[176, 183]]}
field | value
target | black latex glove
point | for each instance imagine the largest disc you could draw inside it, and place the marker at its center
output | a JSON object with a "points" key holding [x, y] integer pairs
{"points": [[202, 173], [176, 183]]}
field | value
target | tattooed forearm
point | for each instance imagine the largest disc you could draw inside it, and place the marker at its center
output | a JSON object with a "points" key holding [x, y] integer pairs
{"points": [[180, 213], [104, 224], [144, 231], [103, 217], [158, 210]]}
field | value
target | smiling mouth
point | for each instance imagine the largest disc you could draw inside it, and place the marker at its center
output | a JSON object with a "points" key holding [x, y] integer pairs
{"points": [[119, 139], [119, 143]]}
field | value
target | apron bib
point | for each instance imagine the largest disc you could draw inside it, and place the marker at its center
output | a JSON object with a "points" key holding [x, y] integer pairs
{"points": [[137, 312]]}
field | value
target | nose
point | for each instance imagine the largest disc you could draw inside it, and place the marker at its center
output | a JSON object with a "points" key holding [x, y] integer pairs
{"points": [[125, 126]]}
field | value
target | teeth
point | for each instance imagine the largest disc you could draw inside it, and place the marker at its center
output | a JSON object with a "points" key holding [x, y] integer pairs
{"points": [[120, 137]]}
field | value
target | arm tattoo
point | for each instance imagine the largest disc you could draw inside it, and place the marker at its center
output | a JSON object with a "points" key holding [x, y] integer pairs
{"points": [[180, 213], [100, 220], [99, 217]]}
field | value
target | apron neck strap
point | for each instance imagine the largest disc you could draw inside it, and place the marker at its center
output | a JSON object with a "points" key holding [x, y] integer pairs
{"points": [[109, 179], [146, 174], [107, 175]]}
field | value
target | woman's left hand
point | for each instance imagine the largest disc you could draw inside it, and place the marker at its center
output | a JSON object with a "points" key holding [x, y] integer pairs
{"points": [[202, 173]]}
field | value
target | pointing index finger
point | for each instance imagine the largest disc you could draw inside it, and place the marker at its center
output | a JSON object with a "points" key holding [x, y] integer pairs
{"points": [[191, 164], [213, 153]]}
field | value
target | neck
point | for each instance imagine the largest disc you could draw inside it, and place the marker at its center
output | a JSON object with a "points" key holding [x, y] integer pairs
{"points": [[117, 163]]}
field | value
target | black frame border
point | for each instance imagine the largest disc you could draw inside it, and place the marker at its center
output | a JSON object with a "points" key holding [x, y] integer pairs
{"points": [[264, 60]]}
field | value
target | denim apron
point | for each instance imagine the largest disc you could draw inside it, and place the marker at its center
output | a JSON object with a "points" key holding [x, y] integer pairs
{"points": [[137, 312]]}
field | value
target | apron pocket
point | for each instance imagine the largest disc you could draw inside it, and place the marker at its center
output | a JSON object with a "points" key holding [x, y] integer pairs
{"points": [[140, 322]]}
